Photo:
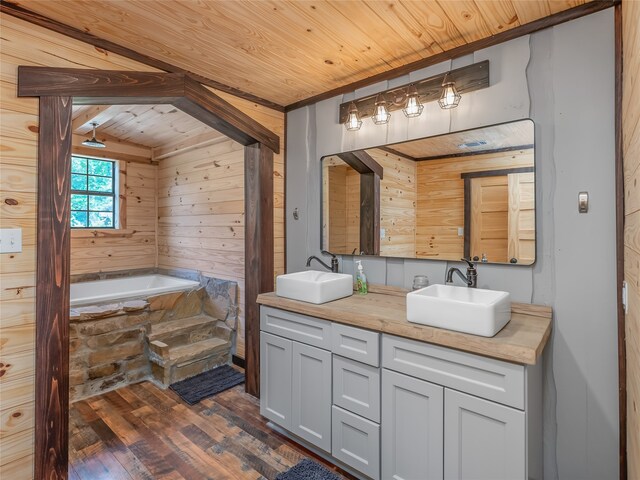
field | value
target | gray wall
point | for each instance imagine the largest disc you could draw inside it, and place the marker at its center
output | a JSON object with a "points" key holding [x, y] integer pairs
{"points": [[562, 78]]}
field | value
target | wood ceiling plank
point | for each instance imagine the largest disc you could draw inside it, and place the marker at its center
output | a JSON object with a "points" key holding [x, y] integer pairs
{"points": [[400, 19], [81, 122], [466, 16], [499, 15], [434, 19], [530, 11]]}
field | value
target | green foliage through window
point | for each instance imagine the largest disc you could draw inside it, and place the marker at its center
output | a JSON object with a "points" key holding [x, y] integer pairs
{"points": [[92, 193]]}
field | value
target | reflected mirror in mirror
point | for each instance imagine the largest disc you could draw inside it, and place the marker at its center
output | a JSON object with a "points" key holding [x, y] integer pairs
{"points": [[464, 194]]}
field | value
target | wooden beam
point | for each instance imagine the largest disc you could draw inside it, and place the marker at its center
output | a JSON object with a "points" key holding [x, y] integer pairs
{"points": [[90, 87], [526, 29], [619, 180], [258, 187], [52, 299], [361, 162], [370, 213], [219, 114], [87, 116], [111, 87], [42, 21]]}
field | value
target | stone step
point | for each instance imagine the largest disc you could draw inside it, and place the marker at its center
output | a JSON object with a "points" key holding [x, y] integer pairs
{"points": [[171, 364], [184, 330]]}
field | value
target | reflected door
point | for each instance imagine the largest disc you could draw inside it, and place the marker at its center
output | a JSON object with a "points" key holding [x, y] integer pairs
{"points": [[490, 218], [522, 218]]}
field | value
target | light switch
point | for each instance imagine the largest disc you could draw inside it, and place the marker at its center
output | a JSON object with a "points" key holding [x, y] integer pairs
{"points": [[10, 240], [583, 202], [383, 233], [461, 231]]}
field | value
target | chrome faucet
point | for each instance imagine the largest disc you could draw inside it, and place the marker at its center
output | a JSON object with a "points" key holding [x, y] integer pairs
{"points": [[471, 278], [334, 261]]}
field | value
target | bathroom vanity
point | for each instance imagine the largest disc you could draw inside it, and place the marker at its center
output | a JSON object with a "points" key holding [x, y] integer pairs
{"points": [[383, 398]]}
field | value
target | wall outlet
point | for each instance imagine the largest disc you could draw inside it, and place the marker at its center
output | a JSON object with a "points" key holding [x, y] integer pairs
{"points": [[383, 233], [461, 231], [10, 240]]}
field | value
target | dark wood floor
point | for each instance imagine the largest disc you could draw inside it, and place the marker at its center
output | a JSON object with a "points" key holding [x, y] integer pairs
{"points": [[143, 432]]}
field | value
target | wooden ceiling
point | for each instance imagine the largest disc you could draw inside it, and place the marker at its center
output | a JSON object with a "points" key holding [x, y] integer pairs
{"points": [[494, 137], [158, 128], [288, 51]]}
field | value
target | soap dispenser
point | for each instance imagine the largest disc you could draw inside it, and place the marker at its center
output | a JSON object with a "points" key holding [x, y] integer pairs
{"points": [[361, 280]]}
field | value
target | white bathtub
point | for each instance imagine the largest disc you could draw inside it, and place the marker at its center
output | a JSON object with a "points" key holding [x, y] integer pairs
{"points": [[98, 291]]}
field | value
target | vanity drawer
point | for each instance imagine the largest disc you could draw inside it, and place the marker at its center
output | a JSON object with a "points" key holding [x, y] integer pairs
{"points": [[356, 387], [295, 326], [356, 442], [356, 343], [495, 380]]}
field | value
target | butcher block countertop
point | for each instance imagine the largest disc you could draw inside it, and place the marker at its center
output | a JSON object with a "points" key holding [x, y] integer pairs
{"points": [[521, 341]]}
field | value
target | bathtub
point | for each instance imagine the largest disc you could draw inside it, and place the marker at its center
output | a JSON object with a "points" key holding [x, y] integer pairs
{"points": [[99, 291]]}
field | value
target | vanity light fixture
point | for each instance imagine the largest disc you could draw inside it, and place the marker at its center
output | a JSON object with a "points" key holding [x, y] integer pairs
{"points": [[381, 113], [353, 122], [412, 107], [93, 141], [444, 88], [450, 98]]}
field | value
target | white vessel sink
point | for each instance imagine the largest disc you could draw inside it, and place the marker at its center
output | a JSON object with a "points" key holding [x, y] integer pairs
{"points": [[314, 287], [469, 310]]}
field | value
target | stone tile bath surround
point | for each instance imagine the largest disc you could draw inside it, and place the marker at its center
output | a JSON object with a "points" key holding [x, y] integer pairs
{"points": [[162, 338]]}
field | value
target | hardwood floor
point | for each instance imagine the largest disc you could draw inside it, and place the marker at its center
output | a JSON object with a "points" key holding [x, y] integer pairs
{"points": [[143, 432]]}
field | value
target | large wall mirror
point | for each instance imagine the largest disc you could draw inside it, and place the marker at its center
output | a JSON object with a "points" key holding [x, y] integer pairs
{"points": [[464, 194]]}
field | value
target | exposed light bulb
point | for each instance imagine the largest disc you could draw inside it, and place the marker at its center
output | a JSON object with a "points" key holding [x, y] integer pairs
{"points": [[413, 107], [450, 97], [381, 113], [353, 122]]}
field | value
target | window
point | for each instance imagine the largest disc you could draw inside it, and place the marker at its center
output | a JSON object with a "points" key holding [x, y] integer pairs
{"points": [[93, 193]]}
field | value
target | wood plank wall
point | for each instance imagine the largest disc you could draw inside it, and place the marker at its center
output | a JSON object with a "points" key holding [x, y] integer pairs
{"points": [[133, 246], [631, 155], [397, 204], [201, 214], [440, 200], [25, 44]]}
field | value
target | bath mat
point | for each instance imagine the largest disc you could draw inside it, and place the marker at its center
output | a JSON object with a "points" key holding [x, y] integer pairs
{"points": [[307, 470], [207, 384]]}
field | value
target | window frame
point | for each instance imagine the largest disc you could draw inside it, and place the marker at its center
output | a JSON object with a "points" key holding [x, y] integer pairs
{"points": [[114, 194]]}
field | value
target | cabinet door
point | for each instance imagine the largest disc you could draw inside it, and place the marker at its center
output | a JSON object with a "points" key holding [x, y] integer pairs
{"points": [[356, 442], [482, 439], [311, 395], [275, 379], [412, 428]]}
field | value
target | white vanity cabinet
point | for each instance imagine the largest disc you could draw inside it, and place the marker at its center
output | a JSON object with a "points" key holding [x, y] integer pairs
{"points": [[388, 407], [295, 377], [435, 419]]}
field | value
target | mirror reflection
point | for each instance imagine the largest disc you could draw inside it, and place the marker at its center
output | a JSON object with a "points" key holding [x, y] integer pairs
{"points": [[464, 194]]}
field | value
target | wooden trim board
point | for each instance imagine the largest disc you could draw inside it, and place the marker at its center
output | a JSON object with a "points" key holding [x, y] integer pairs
{"points": [[619, 179]]}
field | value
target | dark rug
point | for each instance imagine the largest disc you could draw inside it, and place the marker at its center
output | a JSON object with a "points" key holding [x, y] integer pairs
{"points": [[207, 384], [307, 470]]}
